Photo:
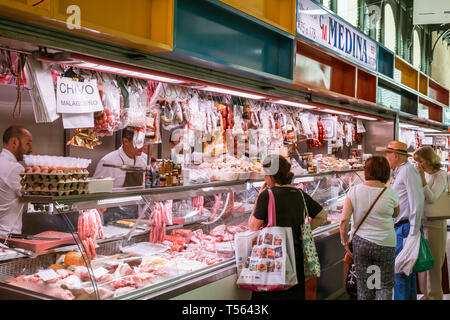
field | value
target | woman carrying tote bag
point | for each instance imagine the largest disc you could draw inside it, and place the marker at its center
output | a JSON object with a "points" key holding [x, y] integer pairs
{"points": [[289, 205], [435, 183]]}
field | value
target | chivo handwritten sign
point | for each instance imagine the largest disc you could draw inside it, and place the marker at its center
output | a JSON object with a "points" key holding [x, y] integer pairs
{"points": [[77, 97], [317, 24]]}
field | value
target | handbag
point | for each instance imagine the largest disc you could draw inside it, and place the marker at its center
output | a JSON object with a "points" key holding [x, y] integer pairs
{"points": [[266, 258], [348, 258], [425, 260], [440, 208], [350, 281], [311, 263]]}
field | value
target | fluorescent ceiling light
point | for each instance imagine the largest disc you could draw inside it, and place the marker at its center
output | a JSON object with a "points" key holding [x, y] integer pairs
{"points": [[119, 200], [335, 112], [423, 129], [233, 93], [408, 126], [432, 130], [366, 118], [124, 72], [294, 104]]}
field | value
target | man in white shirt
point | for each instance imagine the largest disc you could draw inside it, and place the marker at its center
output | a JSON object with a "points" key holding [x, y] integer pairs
{"points": [[406, 181], [17, 141], [127, 154]]}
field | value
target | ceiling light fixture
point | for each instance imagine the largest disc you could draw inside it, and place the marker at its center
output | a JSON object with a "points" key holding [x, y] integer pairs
{"points": [[233, 92], [96, 64], [294, 104], [365, 118], [334, 112], [125, 72]]}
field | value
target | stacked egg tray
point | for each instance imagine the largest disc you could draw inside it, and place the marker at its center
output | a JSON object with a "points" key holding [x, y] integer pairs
{"points": [[59, 182]]}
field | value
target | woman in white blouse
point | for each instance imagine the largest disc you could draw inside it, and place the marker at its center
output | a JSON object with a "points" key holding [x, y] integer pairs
{"points": [[434, 181]]}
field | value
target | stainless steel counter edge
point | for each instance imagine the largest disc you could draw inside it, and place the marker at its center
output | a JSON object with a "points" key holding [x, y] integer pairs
{"points": [[168, 191], [172, 287], [182, 284]]}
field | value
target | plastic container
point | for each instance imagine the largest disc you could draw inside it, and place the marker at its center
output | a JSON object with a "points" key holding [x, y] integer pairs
{"points": [[100, 185]]}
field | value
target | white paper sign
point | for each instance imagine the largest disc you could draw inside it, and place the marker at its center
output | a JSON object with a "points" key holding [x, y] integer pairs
{"points": [[78, 120], [319, 25], [99, 272], [77, 97], [48, 274]]}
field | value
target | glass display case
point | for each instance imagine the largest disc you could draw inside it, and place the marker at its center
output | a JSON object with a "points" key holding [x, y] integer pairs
{"points": [[144, 243]]}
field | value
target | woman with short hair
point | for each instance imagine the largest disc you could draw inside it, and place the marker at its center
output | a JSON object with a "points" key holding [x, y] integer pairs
{"points": [[375, 241], [434, 181]]}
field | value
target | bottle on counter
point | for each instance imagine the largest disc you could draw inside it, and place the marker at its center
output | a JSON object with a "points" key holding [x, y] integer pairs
{"points": [[168, 166], [148, 177], [180, 175], [169, 179], [155, 175]]}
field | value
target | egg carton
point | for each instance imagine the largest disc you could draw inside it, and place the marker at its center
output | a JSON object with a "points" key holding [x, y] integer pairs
{"points": [[56, 186], [44, 178], [53, 192]]}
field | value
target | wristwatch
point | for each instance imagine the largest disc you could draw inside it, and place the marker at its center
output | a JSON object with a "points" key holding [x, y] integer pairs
{"points": [[344, 243]]}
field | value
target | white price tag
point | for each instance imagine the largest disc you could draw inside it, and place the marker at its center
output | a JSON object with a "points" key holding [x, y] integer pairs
{"points": [[99, 272], [48, 274]]}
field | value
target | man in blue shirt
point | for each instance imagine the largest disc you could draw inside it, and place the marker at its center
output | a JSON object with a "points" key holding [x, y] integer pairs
{"points": [[406, 181]]}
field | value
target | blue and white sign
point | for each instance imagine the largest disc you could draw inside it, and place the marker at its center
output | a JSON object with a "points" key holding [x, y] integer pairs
{"points": [[318, 25]]}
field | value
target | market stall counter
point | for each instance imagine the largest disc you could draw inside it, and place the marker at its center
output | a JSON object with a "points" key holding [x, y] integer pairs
{"points": [[181, 242]]}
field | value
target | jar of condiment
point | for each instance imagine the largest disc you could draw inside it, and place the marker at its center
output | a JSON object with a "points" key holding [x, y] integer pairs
{"points": [[168, 166], [161, 167], [168, 179], [175, 181]]}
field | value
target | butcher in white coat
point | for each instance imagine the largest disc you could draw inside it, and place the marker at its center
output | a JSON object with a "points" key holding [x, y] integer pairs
{"points": [[127, 154], [17, 141]]}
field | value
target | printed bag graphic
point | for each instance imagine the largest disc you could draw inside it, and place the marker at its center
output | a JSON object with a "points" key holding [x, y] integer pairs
{"points": [[265, 258]]}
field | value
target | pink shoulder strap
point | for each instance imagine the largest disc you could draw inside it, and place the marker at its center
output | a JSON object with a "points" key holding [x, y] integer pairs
{"points": [[271, 216]]}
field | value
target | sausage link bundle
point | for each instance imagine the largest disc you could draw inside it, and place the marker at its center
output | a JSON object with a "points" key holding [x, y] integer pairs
{"points": [[89, 230]]}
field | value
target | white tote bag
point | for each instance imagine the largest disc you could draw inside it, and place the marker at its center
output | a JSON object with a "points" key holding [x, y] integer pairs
{"points": [[407, 257], [440, 209], [265, 258]]}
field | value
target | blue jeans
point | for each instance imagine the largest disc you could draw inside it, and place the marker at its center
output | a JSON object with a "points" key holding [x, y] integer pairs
{"points": [[405, 287]]}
